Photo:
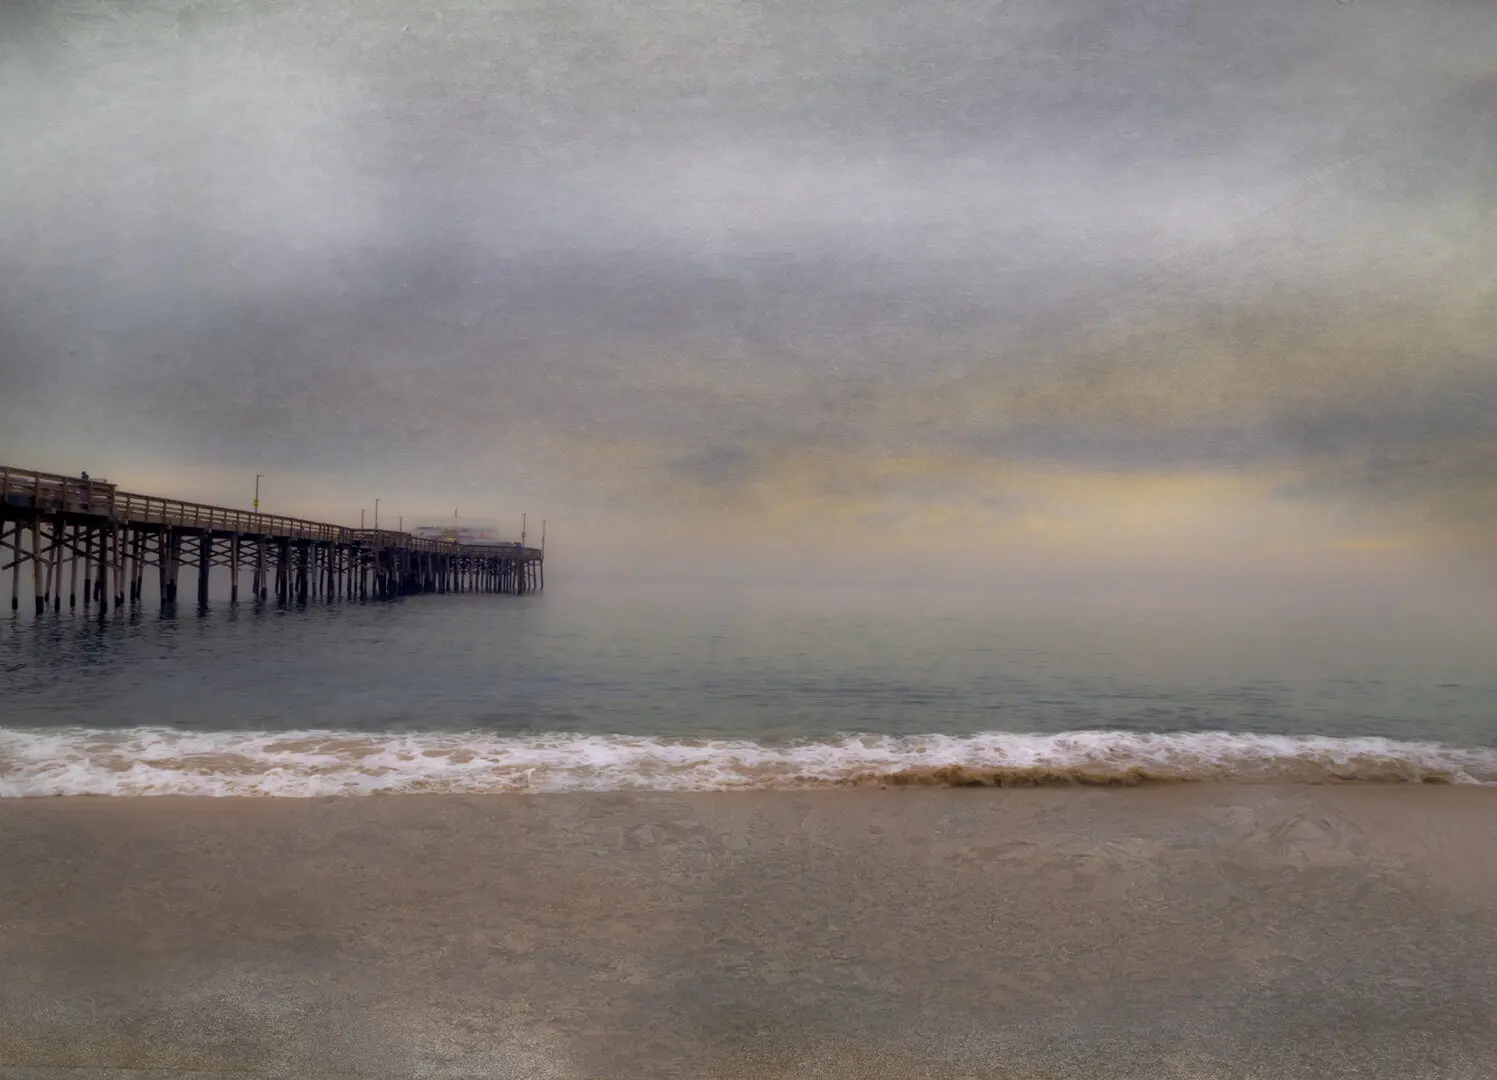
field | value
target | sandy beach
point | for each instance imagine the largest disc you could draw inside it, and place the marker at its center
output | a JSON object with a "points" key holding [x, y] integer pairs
{"points": [[1173, 931]]}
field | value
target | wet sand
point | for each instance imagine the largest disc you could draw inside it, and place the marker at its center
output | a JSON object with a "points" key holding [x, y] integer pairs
{"points": [[1175, 932]]}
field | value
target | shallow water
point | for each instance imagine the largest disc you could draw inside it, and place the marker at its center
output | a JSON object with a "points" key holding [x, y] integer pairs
{"points": [[596, 686]]}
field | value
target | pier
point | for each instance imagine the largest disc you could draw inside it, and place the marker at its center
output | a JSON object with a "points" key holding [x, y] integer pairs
{"points": [[91, 542]]}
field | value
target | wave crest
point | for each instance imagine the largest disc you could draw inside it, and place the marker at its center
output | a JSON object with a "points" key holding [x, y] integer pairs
{"points": [[158, 761]]}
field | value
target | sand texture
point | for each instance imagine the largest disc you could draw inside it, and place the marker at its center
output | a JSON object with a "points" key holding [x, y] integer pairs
{"points": [[1186, 931]]}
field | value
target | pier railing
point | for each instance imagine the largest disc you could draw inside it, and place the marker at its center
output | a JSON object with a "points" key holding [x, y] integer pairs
{"points": [[51, 493]]}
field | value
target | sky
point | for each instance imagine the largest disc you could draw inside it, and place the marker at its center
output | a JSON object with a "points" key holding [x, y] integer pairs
{"points": [[1084, 292]]}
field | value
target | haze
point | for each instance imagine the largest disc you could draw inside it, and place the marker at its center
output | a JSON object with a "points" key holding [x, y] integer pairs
{"points": [[1079, 294]]}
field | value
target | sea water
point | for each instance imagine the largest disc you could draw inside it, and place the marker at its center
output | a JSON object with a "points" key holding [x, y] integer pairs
{"points": [[603, 686]]}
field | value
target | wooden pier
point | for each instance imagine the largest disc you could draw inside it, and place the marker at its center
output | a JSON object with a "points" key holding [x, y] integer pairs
{"points": [[70, 532]]}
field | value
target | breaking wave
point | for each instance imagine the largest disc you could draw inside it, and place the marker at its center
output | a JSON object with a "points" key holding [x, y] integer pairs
{"points": [[159, 761]]}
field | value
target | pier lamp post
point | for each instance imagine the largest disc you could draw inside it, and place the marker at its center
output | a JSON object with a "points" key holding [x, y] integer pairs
{"points": [[376, 515], [361, 519], [258, 478]]}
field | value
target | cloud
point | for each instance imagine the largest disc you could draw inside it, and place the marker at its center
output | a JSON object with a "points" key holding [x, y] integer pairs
{"points": [[700, 259]]}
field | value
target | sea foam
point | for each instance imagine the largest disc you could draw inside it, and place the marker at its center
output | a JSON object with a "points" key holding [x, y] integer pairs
{"points": [[160, 761]]}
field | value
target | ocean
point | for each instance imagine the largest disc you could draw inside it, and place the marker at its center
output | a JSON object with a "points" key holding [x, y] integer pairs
{"points": [[650, 686]]}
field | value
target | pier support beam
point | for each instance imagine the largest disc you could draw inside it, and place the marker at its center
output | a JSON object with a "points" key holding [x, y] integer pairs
{"points": [[88, 566], [60, 552], [117, 564], [15, 567], [73, 569], [174, 563], [38, 592], [124, 568], [138, 569], [163, 572], [205, 565], [53, 578], [106, 593]]}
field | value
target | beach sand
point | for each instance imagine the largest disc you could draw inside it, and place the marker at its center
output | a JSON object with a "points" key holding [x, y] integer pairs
{"points": [[1181, 931]]}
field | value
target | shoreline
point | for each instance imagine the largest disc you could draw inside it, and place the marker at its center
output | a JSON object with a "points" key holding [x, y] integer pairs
{"points": [[1059, 784], [311, 763], [1209, 929]]}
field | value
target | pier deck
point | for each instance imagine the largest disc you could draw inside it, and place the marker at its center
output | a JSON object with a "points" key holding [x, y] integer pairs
{"points": [[60, 525]]}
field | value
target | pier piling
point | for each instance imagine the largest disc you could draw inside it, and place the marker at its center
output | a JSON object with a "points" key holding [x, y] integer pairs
{"points": [[102, 584], [36, 564], [15, 565], [73, 569], [205, 564]]}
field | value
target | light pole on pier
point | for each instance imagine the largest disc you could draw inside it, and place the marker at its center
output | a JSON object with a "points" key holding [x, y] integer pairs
{"points": [[376, 515], [522, 529], [258, 478], [361, 519], [543, 536]]}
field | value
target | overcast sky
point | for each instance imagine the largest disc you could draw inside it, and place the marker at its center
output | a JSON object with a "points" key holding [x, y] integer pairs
{"points": [[1048, 283]]}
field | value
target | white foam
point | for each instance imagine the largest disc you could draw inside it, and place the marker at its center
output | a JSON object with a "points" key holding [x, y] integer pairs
{"points": [[159, 761]]}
